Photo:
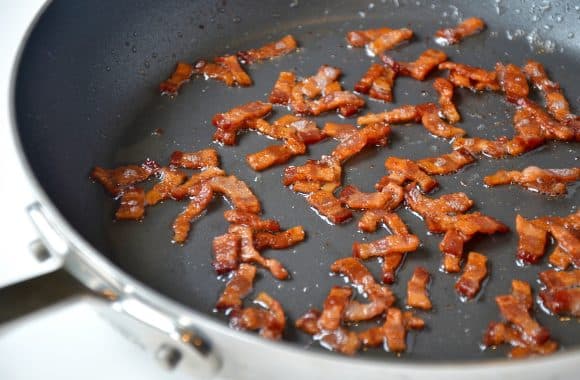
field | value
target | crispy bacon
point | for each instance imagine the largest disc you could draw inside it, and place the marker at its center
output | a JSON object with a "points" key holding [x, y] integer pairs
{"points": [[378, 82], [199, 200], [401, 115], [270, 156], [319, 83], [445, 90], [251, 220], [237, 288], [417, 296], [352, 197], [499, 333], [282, 91], [556, 102], [346, 102], [306, 130], [226, 68], [402, 170], [560, 259], [376, 134], [269, 319], [386, 246], [371, 218], [393, 332], [226, 249], [475, 272], [340, 340], [338, 131], [190, 186], [568, 240], [447, 203], [170, 178], [522, 291], [551, 129], [446, 163], [325, 170], [513, 81], [238, 193], [435, 125], [388, 40], [557, 279], [532, 240], [467, 224], [182, 74], [334, 307], [122, 177], [468, 27], [279, 240], [201, 159], [131, 205], [562, 293], [474, 78], [328, 206], [249, 254], [547, 181], [231, 121], [285, 45], [419, 69], [359, 38]]}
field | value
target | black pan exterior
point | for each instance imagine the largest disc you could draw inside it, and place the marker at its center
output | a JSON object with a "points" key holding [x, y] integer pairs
{"points": [[86, 94]]}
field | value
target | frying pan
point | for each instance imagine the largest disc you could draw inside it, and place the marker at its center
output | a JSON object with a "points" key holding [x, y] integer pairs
{"points": [[85, 94]]}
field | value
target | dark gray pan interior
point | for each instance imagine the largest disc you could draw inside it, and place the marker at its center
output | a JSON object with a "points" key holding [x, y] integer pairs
{"points": [[86, 94]]}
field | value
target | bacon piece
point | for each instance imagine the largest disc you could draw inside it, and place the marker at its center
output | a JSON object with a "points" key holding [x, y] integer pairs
{"points": [[249, 254], [285, 45], [532, 240], [551, 129], [419, 69], [474, 78], [352, 197], [201, 159], [388, 40], [306, 130], [393, 332], [446, 163], [226, 68], [325, 170], [328, 206], [282, 90], [236, 118], [378, 82], [334, 307], [560, 258], [251, 220], [122, 177], [371, 134], [557, 279], [359, 38], [386, 246], [346, 102], [371, 218], [556, 102], [199, 200], [237, 192], [182, 74], [562, 293], [359, 276], [435, 125], [339, 131], [403, 170], [319, 83], [170, 178], [513, 81], [499, 333], [401, 115], [427, 207], [340, 340], [190, 186], [226, 249], [468, 27], [475, 272], [132, 204], [417, 296], [237, 288], [269, 319], [467, 224], [522, 291], [445, 90], [270, 156], [547, 181], [279, 240], [568, 241]]}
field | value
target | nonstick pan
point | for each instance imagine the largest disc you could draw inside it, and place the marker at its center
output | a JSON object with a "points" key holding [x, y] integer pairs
{"points": [[86, 94]]}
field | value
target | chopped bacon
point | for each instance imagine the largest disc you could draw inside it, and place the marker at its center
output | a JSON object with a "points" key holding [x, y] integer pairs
{"points": [[401, 115], [468, 27], [251, 220], [419, 69], [338, 131], [532, 240], [393, 332], [340, 340], [417, 289], [467, 224], [499, 333], [282, 91], [334, 307], [236, 118], [513, 81], [446, 163], [237, 288], [237, 192], [182, 74], [279, 240], [402, 170], [562, 293], [132, 204], [269, 319], [352, 197], [378, 82], [435, 125], [568, 240], [195, 160], [189, 187], [391, 264], [170, 178], [285, 45], [226, 249], [116, 180], [270, 156], [386, 246], [306, 130], [359, 38], [547, 181], [473, 275], [388, 40], [319, 83], [445, 90], [249, 254], [226, 68], [551, 129], [427, 207], [474, 78], [359, 276], [346, 102], [328, 206], [556, 102], [557, 279], [199, 200], [327, 169], [371, 134], [560, 259], [371, 218]]}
